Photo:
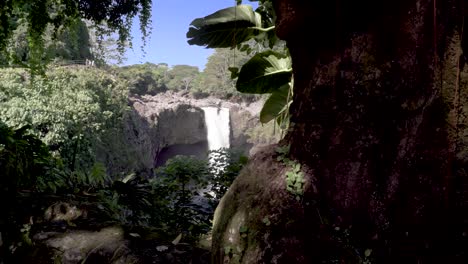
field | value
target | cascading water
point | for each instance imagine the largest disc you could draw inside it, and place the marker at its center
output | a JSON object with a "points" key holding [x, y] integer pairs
{"points": [[217, 125], [218, 137]]}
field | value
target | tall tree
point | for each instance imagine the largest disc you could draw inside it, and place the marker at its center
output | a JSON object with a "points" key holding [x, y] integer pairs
{"points": [[71, 42], [145, 78], [181, 77], [375, 171], [39, 14], [216, 75]]}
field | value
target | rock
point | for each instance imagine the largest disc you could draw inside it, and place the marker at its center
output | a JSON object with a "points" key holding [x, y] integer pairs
{"points": [[80, 246], [148, 129], [160, 126], [63, 211], [241, 121], [257, 219], [107, 245], [184, 124]]}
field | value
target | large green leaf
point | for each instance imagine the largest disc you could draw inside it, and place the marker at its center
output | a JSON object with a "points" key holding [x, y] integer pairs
{"points": [[225, 28], [264, 73], [277, 103]]}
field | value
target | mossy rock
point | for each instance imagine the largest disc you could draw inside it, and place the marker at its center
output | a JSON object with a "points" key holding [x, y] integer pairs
{"points": [[258, 221]]}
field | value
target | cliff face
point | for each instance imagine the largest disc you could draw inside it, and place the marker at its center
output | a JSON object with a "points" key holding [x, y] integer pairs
{"points": [[183, 124], [152, 130], [146, 132], [158, 127], [241, 122]]}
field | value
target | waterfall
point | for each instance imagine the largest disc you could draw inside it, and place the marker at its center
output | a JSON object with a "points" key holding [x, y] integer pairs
{"points": [[217, 126], [218, 136]]}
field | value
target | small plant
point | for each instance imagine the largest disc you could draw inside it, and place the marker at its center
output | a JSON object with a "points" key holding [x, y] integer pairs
{"points": [[295, 181], [177, 191], [294, 177], [283, 152], [243, 230]]}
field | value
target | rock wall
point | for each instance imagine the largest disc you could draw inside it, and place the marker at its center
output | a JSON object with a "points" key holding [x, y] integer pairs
{"points": [[241, 121], [151, 130], [158, 127]]}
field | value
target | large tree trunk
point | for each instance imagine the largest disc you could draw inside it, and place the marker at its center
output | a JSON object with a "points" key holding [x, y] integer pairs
{"points": [[377, 121]]}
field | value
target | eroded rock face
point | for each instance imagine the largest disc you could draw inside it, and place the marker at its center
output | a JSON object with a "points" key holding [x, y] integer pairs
{"points": [[147, 129], [258, 220], [158, 127], [241, 121], [184, 124], [150, 129]]}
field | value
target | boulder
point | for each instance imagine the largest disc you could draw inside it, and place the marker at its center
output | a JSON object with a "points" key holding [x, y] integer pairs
{"points": [[81, 246], [257, 218]]}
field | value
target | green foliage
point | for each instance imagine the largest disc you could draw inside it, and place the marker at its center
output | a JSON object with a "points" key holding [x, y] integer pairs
{"points": [[243, 230], [23, 157], [128, 201], [225, 165], [74, 182], [38, 15], [295, 180], [225, 28], [145, 78], [182, 77], [267, 71], [186, 190], [151, 78], [266, 221], [215, 78], [282, 151], [70, 42], [294, 176], [171, 202], [277, 104], [70, 110], [177, 184]]}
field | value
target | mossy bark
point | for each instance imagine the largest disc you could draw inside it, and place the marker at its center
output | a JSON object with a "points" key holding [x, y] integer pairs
{"points": [[379, 118], [258, 218]]}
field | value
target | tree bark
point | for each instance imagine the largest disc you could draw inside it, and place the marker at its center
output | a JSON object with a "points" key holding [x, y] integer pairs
{"points": [[377, 117], [378, 124]]}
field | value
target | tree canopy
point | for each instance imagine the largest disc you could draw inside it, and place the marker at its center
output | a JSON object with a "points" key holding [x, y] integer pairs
{"points": [[109, 16]]}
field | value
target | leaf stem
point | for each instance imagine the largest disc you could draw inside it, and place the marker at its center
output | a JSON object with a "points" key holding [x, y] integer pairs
{"points": [[264, 29]]}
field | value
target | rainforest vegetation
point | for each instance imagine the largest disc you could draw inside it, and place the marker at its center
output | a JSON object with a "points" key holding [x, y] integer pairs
{"points": [[369, 98], [62, 104]]}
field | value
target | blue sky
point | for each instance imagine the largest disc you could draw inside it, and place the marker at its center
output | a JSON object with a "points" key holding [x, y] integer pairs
{"points": [[168, 42]]}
